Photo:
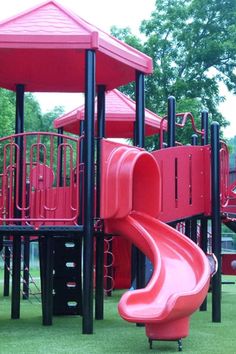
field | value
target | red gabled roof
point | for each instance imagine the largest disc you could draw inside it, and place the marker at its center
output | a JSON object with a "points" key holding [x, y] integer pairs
{"points": [[120, 117], [43, 48]]}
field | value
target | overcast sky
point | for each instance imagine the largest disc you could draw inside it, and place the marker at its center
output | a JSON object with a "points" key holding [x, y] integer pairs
{"points": [[104, 14]]}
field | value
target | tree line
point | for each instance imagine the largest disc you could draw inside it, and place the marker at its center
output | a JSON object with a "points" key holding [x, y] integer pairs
{"points": [[193, 47], [35, 119]]}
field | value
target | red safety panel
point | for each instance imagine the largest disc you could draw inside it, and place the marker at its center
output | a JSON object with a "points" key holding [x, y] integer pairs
{"points": [[57, 205], [185, 181]]}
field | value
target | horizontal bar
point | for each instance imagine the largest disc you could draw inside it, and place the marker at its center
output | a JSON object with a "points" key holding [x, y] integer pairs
{"points": [[18, 230], [73, 229]]}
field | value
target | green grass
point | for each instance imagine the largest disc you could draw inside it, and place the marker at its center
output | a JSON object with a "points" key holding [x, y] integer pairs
{"points": [[112, 335]]}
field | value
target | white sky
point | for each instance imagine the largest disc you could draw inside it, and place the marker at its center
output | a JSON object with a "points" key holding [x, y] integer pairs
{"points": [[104, 14]]}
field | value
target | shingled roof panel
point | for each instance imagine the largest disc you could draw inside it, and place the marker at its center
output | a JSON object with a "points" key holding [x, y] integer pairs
{"points": [[34, 43]]}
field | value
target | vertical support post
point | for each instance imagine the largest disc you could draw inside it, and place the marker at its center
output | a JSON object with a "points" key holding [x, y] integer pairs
{"points": [[204, 127], [81, 172], [194, 230], [188, 228], [140, 141], [140, 110], [194, 141], [7, 264], [16, 262], [216, 220], [204, 221], [204, 227], [59, 142], [88, 193], [46, 273], [171, 122], [26, 264], [99, 291]]}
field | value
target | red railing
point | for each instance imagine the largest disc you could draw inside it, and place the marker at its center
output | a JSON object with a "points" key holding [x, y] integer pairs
{"points": [[39, 179], [224, 175], [181, 124]]}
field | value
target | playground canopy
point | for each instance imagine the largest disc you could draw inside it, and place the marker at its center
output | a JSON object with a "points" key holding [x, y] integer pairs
{"points": [[120, 117], [44, 49]]}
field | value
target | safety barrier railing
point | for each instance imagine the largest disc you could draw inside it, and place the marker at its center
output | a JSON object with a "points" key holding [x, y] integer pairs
{"points": [[40, 175], [181, 120], [225, 193]]}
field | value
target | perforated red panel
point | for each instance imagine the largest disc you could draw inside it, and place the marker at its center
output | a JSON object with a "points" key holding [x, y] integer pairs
{"points": [[185, 185]]}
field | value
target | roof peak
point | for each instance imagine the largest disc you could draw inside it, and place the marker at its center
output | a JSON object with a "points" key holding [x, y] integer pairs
{"points": [[37, 7], [47, 37]]}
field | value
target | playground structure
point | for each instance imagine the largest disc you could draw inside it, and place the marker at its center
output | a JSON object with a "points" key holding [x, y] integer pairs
{"points": [[48, 182]]}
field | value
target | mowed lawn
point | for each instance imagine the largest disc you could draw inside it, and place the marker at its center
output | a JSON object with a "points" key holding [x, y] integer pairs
{"points": [[113, 335]]}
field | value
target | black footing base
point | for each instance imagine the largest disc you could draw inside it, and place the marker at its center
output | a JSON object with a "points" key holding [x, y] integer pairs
{"points": [[179, 341]]}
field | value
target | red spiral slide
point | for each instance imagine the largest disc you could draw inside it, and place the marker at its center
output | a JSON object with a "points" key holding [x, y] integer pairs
{"points": [[130, 206]]}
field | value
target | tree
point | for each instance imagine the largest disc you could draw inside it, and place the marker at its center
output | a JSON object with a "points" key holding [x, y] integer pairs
{"points": [[33, 114], [48, 118], [193, 46], [7, 112], [35, 120]]}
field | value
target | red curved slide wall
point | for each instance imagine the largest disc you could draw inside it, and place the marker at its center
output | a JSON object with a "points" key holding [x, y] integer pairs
{"points": [[130, 205]]}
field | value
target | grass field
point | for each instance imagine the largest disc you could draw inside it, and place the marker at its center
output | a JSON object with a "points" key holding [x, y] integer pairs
{"points": [[113, 335]]}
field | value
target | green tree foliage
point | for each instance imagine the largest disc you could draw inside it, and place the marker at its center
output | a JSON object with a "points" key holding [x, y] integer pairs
{"points": [[193, 46], [33, 114], [35, 120], [232, 149], [7, 112], [48, 118]]}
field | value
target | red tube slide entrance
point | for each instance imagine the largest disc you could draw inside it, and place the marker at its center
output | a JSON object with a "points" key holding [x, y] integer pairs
{"points": [[130, 205]]}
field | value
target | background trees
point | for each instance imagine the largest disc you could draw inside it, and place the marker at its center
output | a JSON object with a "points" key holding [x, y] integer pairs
{"points": [[193, 46], [35, 120]]}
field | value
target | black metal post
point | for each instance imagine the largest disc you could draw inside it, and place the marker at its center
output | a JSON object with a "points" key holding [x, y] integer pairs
{"points": [[16, 262], [204, 127], [26, 264], [140, 141], [188, 228], [194, 230], [204, 221], [88, 192], [194, 141], [204, 231], [99, 292], [216, 220], [59, 142], [7, 264], [140, 110], [46, 270], [171, 122]]}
